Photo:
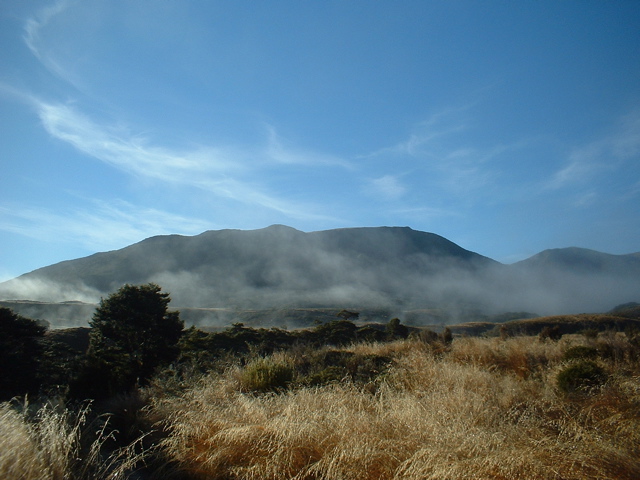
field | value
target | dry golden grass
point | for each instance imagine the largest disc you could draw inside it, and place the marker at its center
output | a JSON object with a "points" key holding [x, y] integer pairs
{"points": [[49, 446], [478, 408], [484, 409]]}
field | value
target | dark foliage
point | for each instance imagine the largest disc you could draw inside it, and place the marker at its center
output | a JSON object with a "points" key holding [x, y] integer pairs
{"points": [[551, 333], [133, 334], [581, 377], [630, 310], [447, 336], [322, 366], [21, 354], [337, 332], [580, 352], [396, 330]]}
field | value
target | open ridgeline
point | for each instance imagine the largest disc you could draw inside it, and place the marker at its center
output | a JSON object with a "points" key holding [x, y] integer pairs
{"points": [[341, 400]]}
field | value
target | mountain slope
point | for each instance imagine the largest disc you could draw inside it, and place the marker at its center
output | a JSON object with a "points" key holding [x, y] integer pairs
{"points": [[270, 266], [280, 267]]}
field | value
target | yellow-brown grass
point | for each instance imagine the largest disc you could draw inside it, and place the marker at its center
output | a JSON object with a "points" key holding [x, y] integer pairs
{"points": [[478, 408], [483, 409], [48, 445]]}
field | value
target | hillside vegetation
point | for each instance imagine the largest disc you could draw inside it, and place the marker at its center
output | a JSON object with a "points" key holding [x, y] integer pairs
{"points": [[424, 407]]}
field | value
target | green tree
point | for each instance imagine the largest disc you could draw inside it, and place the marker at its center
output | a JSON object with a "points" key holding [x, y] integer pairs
{"points": [[132, 334], [20, 354]]}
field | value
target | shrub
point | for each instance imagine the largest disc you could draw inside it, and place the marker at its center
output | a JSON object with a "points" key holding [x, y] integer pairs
{"points": [[579, 352], [551, 333], [427, 336], [365, 368], [336, 332], [396, 330], [447, 336], [504, 332], [266, 374], [582, 376]]}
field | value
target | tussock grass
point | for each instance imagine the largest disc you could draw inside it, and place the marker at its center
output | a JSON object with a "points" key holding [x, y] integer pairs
{"points": [[481, 408], [51, 444], [484, 408]]}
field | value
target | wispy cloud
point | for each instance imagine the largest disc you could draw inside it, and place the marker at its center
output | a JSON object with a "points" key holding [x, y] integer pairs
{"points": [[438, 151], [33, 39], [422, 141], [579, 170], [425, 213], [608, 153], [35, 24], [100, 226], [277, 151], [223, 171], [130, 152], [389, 186]]}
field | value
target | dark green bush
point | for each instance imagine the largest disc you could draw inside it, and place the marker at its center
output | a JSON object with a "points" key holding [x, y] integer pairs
{"points": [[336, 332], [581, 376], [133, 334], [327, 365], [580, 352]]}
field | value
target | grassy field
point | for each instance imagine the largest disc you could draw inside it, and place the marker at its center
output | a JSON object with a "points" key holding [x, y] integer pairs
{"points": [[481, 408]]}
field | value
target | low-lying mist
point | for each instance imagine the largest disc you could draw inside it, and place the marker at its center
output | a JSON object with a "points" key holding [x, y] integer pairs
{"points": [[394, 270]]}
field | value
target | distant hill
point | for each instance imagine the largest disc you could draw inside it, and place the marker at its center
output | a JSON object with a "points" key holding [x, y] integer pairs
{"points": [[393, 268], [582, 261]]}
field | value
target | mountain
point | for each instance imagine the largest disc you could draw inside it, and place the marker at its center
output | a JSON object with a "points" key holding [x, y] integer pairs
{"points": [[262, 267], [395, 268], [583, 261]]}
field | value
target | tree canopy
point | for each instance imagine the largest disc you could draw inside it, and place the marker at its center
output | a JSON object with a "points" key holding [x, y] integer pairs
{"points": [[133, 333], [20, 353]]}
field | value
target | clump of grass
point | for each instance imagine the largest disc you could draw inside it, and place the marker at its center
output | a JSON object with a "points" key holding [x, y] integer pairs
{"points": [[266, 374]]}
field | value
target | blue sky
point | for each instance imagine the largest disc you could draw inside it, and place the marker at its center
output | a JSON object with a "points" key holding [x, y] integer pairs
{"points": [[508, 127]]}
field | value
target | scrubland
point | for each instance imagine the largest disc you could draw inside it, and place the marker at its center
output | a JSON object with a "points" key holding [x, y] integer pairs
{"points": [[420, 408]]}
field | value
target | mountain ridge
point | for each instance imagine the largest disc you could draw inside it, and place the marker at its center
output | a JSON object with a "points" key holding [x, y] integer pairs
{"points": [[373, 267]]}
